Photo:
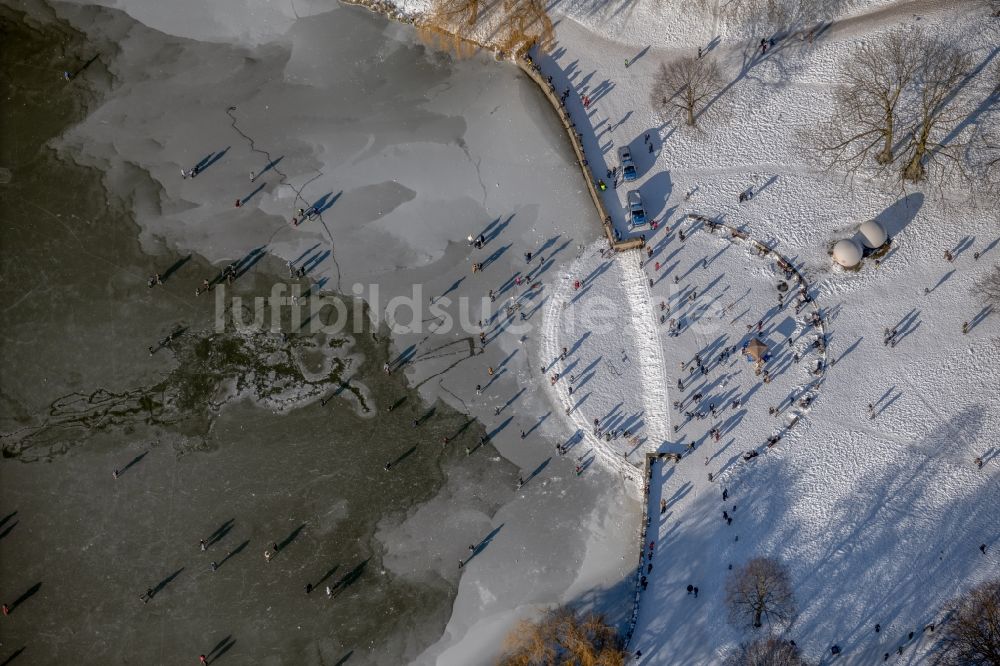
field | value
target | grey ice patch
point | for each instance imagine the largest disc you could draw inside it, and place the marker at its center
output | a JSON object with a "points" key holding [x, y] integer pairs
{"points": [[371, 202]]}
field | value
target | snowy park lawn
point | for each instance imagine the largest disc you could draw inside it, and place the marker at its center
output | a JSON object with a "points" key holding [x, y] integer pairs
{"points": [[877, 514], [713, 291]]}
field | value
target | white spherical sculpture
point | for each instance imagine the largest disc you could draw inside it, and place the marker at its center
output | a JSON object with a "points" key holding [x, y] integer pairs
{"points": [[872, 234], [847, 253]]}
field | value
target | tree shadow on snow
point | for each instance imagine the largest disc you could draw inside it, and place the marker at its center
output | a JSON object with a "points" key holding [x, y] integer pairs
{"points": [[896, 217]]}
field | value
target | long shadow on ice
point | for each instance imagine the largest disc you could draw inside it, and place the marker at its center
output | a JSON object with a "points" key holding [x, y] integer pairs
{"points": [[486, 541], [291, 537], [537, 470]]}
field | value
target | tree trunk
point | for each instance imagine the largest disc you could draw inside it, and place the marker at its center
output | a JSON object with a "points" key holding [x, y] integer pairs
{"points": [[884, 156], [914, 170], [690, 111], [756, 618]]}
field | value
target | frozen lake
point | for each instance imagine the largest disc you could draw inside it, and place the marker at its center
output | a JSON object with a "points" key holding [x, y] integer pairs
{"points": [[413, 151]]}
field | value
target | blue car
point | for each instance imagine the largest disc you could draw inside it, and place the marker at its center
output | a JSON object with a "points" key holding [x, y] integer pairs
{"points": [[637, 214], [626, 163]]}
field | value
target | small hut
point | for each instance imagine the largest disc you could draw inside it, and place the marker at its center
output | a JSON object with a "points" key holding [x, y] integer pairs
{"points": [[847, 253], [756, 350]]}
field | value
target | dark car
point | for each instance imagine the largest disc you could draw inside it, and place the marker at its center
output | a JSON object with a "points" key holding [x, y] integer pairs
{"points": [[627, 165], [636, 213]]}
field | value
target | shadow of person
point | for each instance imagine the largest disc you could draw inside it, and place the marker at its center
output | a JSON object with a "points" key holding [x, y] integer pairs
{"points": [[481, 546], [223, 650], [350, 577], [235, 551], [222, 531], [166, 581], [325, 576], [174, 267], [291, 537], [10, 528], [30, 592], [219, 645], [132, 462], [537, 470], [17, 653]]}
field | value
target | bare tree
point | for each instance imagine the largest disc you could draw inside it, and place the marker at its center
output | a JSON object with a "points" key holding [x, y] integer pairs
{"points": [[983, 152], [770, 651], [464, 26], [863, 127], [988, 286], [451, 12], [561, 636], [447, 25], [760, 590], [991, 163], [972, 636], [526, 23], [908, 102], [942, 68], [684, 87], [448, 39]]}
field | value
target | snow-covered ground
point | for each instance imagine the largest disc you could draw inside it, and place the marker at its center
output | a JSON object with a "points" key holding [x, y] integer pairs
{"points": [[712, 290], [878, 515]]}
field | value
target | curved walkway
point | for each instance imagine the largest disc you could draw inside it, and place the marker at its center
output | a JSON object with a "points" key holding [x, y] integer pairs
{"points": [[653, 368], [560, 297], [528, 66]]}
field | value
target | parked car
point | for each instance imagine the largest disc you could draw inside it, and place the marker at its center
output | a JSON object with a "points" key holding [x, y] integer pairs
{"points": [[626, 163], [637, 214]]}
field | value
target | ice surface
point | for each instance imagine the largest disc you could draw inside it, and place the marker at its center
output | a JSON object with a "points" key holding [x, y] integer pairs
{"points": [[416, 151]]}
